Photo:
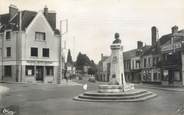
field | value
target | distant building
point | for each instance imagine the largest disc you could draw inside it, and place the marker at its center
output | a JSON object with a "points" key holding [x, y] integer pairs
{"points": [[70, 68], [102, 68], [151, 60], [29, 43], [132, 65], [161, 63], [132, 62], [172, 58]]}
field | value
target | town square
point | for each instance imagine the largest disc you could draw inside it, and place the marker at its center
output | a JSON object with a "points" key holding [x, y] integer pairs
{"points": [[91, 57]]}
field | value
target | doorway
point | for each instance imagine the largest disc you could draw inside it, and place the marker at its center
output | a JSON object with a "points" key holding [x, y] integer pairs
{"points": [[39, 73], [171, 77]]}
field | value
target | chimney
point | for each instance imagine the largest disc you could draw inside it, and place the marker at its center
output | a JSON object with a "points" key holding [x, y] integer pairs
{"points": [[51, 17], [12, 10], [101, 56], [154, 35], [139, 44], [174, 29], [45, 11]]}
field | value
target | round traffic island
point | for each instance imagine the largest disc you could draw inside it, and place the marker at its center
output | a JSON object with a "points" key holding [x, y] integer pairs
{"points": [[114, 93]]}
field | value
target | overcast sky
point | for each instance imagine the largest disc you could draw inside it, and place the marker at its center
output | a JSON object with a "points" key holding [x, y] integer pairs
{"points": [[92, 23]]}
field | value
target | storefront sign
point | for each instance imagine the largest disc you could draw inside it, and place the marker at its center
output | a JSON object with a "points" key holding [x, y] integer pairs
{"points": [[171, 47], [39, 62]]}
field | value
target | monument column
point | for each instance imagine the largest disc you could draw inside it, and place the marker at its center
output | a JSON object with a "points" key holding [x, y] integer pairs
{"points": [[117, 66]]}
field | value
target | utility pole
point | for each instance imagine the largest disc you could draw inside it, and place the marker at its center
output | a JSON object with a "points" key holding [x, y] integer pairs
{"points": [[60, 49]]}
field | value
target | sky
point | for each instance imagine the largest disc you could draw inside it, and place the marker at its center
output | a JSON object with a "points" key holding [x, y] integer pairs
{"points": [[92, 23]]}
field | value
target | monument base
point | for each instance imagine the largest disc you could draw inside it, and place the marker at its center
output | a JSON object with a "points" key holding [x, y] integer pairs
{"points": [[134, 95], [116, 93], [115, 88]]}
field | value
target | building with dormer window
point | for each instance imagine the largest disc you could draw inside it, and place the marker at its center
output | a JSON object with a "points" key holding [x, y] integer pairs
{"points": [[29, 46]]}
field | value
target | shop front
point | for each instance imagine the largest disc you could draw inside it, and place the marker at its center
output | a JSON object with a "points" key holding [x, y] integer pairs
{"points": [[172, 76], [43, 71]]}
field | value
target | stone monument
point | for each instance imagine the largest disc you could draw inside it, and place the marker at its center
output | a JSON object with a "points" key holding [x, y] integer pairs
{"points": [[117, 77], [117, 89], [117, 69]]}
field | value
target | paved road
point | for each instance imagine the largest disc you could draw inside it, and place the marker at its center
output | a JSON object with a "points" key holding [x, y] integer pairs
{"points": [[57, 100]]}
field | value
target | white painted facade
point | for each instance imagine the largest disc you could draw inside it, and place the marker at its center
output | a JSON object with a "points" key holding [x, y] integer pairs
{"points": [[21, 43]]}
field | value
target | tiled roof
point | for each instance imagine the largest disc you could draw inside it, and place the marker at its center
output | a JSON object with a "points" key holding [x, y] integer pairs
{"points": [[129, 54], [27, 17], [135, 52], [167, 37], [179, 36], [152, 50]]}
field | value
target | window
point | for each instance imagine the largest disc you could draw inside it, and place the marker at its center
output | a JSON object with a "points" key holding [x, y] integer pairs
{"points": [[144, 62], [137, 64], [8, 51], [34, 51], [177, 76], [154, 76], [8, 71], [30, 70], [45, 52], [154, 62], [49, 70], [158, 76], [157, 60], [40, 36], [149, 61], [8, 35], [132, 64]]}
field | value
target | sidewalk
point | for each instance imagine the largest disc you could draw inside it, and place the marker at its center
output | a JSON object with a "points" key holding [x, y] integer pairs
{"points": [[63, 83], [176, 89]]}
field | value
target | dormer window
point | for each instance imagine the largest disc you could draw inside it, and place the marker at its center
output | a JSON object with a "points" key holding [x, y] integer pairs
{"points": [[40, 36]]}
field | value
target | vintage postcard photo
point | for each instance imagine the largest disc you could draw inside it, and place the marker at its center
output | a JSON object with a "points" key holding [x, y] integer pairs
{"points": [[91, 57]]}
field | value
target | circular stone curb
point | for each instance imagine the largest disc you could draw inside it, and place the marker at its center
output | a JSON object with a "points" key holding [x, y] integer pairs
{"points": [[129, 96]]}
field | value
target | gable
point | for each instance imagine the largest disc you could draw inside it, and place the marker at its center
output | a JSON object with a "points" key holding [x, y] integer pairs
{"points": [[39, 23]]}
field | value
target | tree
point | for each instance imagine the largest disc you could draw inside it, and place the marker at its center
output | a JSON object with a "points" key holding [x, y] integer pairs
{"points": [[83, 60], [79, 62], [93, 68], [69, 57]]}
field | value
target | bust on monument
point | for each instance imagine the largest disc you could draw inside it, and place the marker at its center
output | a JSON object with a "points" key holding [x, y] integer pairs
{"points": [[117, 40]]}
